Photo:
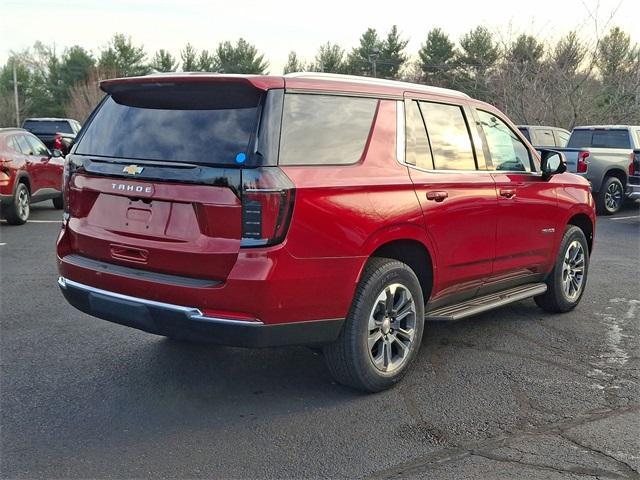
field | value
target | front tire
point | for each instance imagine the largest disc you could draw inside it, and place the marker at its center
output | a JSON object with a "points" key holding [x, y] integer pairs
{"points": [[17, 212], [567, 280], [611, 196], [383, 331]]}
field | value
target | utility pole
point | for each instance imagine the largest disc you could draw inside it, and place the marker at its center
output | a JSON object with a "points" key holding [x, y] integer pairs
{"points": [[15, 92], [373, 56]]}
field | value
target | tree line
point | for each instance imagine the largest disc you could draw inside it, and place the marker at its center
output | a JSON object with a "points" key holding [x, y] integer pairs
{"points": [[563, 83]]}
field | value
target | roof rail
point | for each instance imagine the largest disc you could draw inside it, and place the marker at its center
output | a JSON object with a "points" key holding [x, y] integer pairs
{"points": [[337, 77]]}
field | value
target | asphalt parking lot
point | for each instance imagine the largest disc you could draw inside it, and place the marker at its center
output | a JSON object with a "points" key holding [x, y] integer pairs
{"points": [[515, 393]]}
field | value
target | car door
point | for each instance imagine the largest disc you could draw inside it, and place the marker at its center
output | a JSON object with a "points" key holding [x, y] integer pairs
{"points": [[32, 163], [458, 200], [527, 214], [50, 167]]}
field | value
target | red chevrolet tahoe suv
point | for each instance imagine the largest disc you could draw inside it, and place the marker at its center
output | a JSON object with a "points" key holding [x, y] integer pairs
{"points": [[323, 210]]}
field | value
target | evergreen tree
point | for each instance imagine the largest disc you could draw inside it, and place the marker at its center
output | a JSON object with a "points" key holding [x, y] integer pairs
{"points": [[392, 54], [189, 57], [438, 59], [330, 59], [293, 64], [358, 62], [477, 56], [163, 61], [123, 58], [242, 57]]}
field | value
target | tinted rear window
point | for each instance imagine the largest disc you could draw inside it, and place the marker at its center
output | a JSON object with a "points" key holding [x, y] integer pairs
{"points": [[206, 126], [599, 138], [46, 127], [324, 129]]}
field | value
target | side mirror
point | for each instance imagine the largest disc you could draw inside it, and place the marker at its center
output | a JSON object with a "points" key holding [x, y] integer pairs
{"points": [[57, 153], [552, 162]]}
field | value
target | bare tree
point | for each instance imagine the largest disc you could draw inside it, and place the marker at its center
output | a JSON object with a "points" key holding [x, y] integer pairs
{"points": [[86, 95]]}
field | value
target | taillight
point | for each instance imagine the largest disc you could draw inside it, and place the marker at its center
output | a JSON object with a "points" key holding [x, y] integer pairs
{"points": [[57, 142], [68, 171], [634, 164], [583, 165], [267, 205]]}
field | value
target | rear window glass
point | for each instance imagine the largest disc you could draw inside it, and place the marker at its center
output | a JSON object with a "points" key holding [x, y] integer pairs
{"points": [[47, 127], [179, 130], [324, 129], [599, 139]]}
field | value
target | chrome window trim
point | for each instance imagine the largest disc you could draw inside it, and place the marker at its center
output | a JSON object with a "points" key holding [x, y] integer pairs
{"points": [[342, 93], [401, 135]]}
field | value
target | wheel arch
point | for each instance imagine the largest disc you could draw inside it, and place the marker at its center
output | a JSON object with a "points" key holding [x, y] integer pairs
{"points": [[619, 173], [22, 177], [584, 223], [408, 245]]}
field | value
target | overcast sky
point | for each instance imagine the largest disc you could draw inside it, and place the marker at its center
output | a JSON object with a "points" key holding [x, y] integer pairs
{"points": [[278, 27]]}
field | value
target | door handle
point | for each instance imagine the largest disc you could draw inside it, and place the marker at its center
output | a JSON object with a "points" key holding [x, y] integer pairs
{"points": [[437, 196], [507, 192]]}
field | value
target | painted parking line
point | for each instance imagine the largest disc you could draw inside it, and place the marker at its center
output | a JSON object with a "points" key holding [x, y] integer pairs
{"points": [[625, 218], [2, 244]]}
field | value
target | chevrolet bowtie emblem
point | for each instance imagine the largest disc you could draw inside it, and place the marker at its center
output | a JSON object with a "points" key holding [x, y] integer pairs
{"points": [[133, 169]]}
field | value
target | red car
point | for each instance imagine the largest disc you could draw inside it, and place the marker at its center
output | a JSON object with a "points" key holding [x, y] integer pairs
{"points": [[314, 209], [29, 173]]}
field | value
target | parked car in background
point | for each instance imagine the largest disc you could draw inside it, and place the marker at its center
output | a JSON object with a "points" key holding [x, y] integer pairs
{"points": [[604, 155], [540, 136], [55, 133], [318, 209], [29, 173]]}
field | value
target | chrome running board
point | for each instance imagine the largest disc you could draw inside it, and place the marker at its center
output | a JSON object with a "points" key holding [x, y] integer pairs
{"points": [[485, 303]]}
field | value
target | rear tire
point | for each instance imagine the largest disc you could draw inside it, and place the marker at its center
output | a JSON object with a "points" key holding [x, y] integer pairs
{"points": [[383, 331], [58, 203], [611, 196], [17, 212], [568, 279]]}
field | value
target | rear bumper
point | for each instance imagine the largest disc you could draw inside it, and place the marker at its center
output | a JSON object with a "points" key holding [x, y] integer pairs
{"points": [[633, 191], [189, 323]]}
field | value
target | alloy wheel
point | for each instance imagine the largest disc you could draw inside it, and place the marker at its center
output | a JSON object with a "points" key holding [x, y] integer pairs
{"points": [[392, 328], [613, 197], [573, 267], [23, 204]]}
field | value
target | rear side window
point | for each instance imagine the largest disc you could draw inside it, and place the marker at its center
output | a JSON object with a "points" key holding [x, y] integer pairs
{"points": [[543, 138], [324, 129], [599, 138], [418, 152], [450, 141], [25, 147], [196, 124], [507, 150], [47, 127]]}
